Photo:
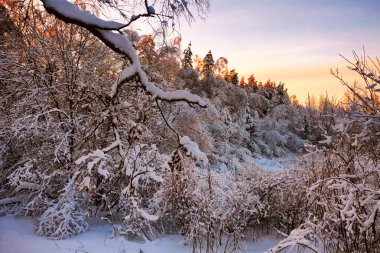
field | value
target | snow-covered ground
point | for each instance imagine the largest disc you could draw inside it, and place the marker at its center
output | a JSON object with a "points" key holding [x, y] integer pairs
{"points": [[17, 236], [269, 164], [276, 164]]}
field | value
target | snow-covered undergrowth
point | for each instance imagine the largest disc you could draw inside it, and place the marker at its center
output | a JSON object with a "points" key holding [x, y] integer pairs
{"points": [[82, 140]]}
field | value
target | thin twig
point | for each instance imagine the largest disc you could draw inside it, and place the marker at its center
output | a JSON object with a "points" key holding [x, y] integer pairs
{"points": [[166, 122]]}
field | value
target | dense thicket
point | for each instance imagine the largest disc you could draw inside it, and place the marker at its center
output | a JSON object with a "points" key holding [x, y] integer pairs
{"points": [[71, 147]]}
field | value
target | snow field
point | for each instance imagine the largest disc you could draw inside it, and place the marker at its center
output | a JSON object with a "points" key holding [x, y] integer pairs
{"points": [[17, 236]]}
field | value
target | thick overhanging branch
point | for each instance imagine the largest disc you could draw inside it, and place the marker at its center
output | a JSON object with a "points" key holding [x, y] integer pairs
{"points": [[70, 13], [109, 33]]}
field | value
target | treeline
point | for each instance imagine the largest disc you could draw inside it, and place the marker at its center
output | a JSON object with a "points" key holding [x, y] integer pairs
{"points": [[219, 69]]}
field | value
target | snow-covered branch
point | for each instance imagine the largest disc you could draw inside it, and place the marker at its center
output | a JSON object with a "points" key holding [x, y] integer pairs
{"points": [[69, 12], [297, 238], [108, 32], [192, 149]]}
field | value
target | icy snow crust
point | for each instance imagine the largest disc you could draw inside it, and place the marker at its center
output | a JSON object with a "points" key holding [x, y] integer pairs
{"points": [[17, 236]]}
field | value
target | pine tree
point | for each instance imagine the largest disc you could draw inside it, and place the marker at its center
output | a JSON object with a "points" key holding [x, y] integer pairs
{"points": [[208, 64], [234, 77], [252, 83], [187, 62], [267, 84], [251, 80], [281, 90], [227, 76], [255, 87], [242, 82]]}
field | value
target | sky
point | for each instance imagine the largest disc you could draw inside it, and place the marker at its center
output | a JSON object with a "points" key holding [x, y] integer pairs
{"points": [[293, 41]]}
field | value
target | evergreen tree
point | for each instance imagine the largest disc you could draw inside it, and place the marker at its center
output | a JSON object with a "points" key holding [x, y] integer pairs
{"points": [[187, 62], [251, 80], [255, 87], [252, 83], [281, 90], [234, 77], [268, 84], [208, 64], [242, 82], [227, 76]]}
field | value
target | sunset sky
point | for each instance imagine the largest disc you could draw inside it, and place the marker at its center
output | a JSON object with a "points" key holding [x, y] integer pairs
{"points": [[293, 41]]}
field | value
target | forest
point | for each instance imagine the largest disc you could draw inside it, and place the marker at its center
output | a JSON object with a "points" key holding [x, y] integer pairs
{"points": [[101, 122]]}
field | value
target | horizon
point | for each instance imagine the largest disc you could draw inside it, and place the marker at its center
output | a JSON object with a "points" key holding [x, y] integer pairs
{"points": [[294, 42]]}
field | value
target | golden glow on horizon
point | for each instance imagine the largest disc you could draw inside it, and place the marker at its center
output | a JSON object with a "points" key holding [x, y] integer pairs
{"points": [[309, 74], [303, 80]]}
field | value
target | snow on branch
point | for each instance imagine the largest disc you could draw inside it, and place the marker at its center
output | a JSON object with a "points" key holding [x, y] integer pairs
{"points": [[98, 157], [147, 216], [71, 13], [108, 32], [64, 217], [298, 237], [193, 149], [12, 200]]}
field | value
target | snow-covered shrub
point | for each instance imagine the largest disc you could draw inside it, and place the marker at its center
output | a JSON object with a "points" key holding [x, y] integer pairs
{"points": [[343, 176], [192, 200], [49, 102], [214, 209], [189, 77], [258, 103], [30, 187], [345, 190], [287, 205], [277, 133], [138, 220], [209, 86], [141, 181], [235, 99], [64, 217], [299, 239]]}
